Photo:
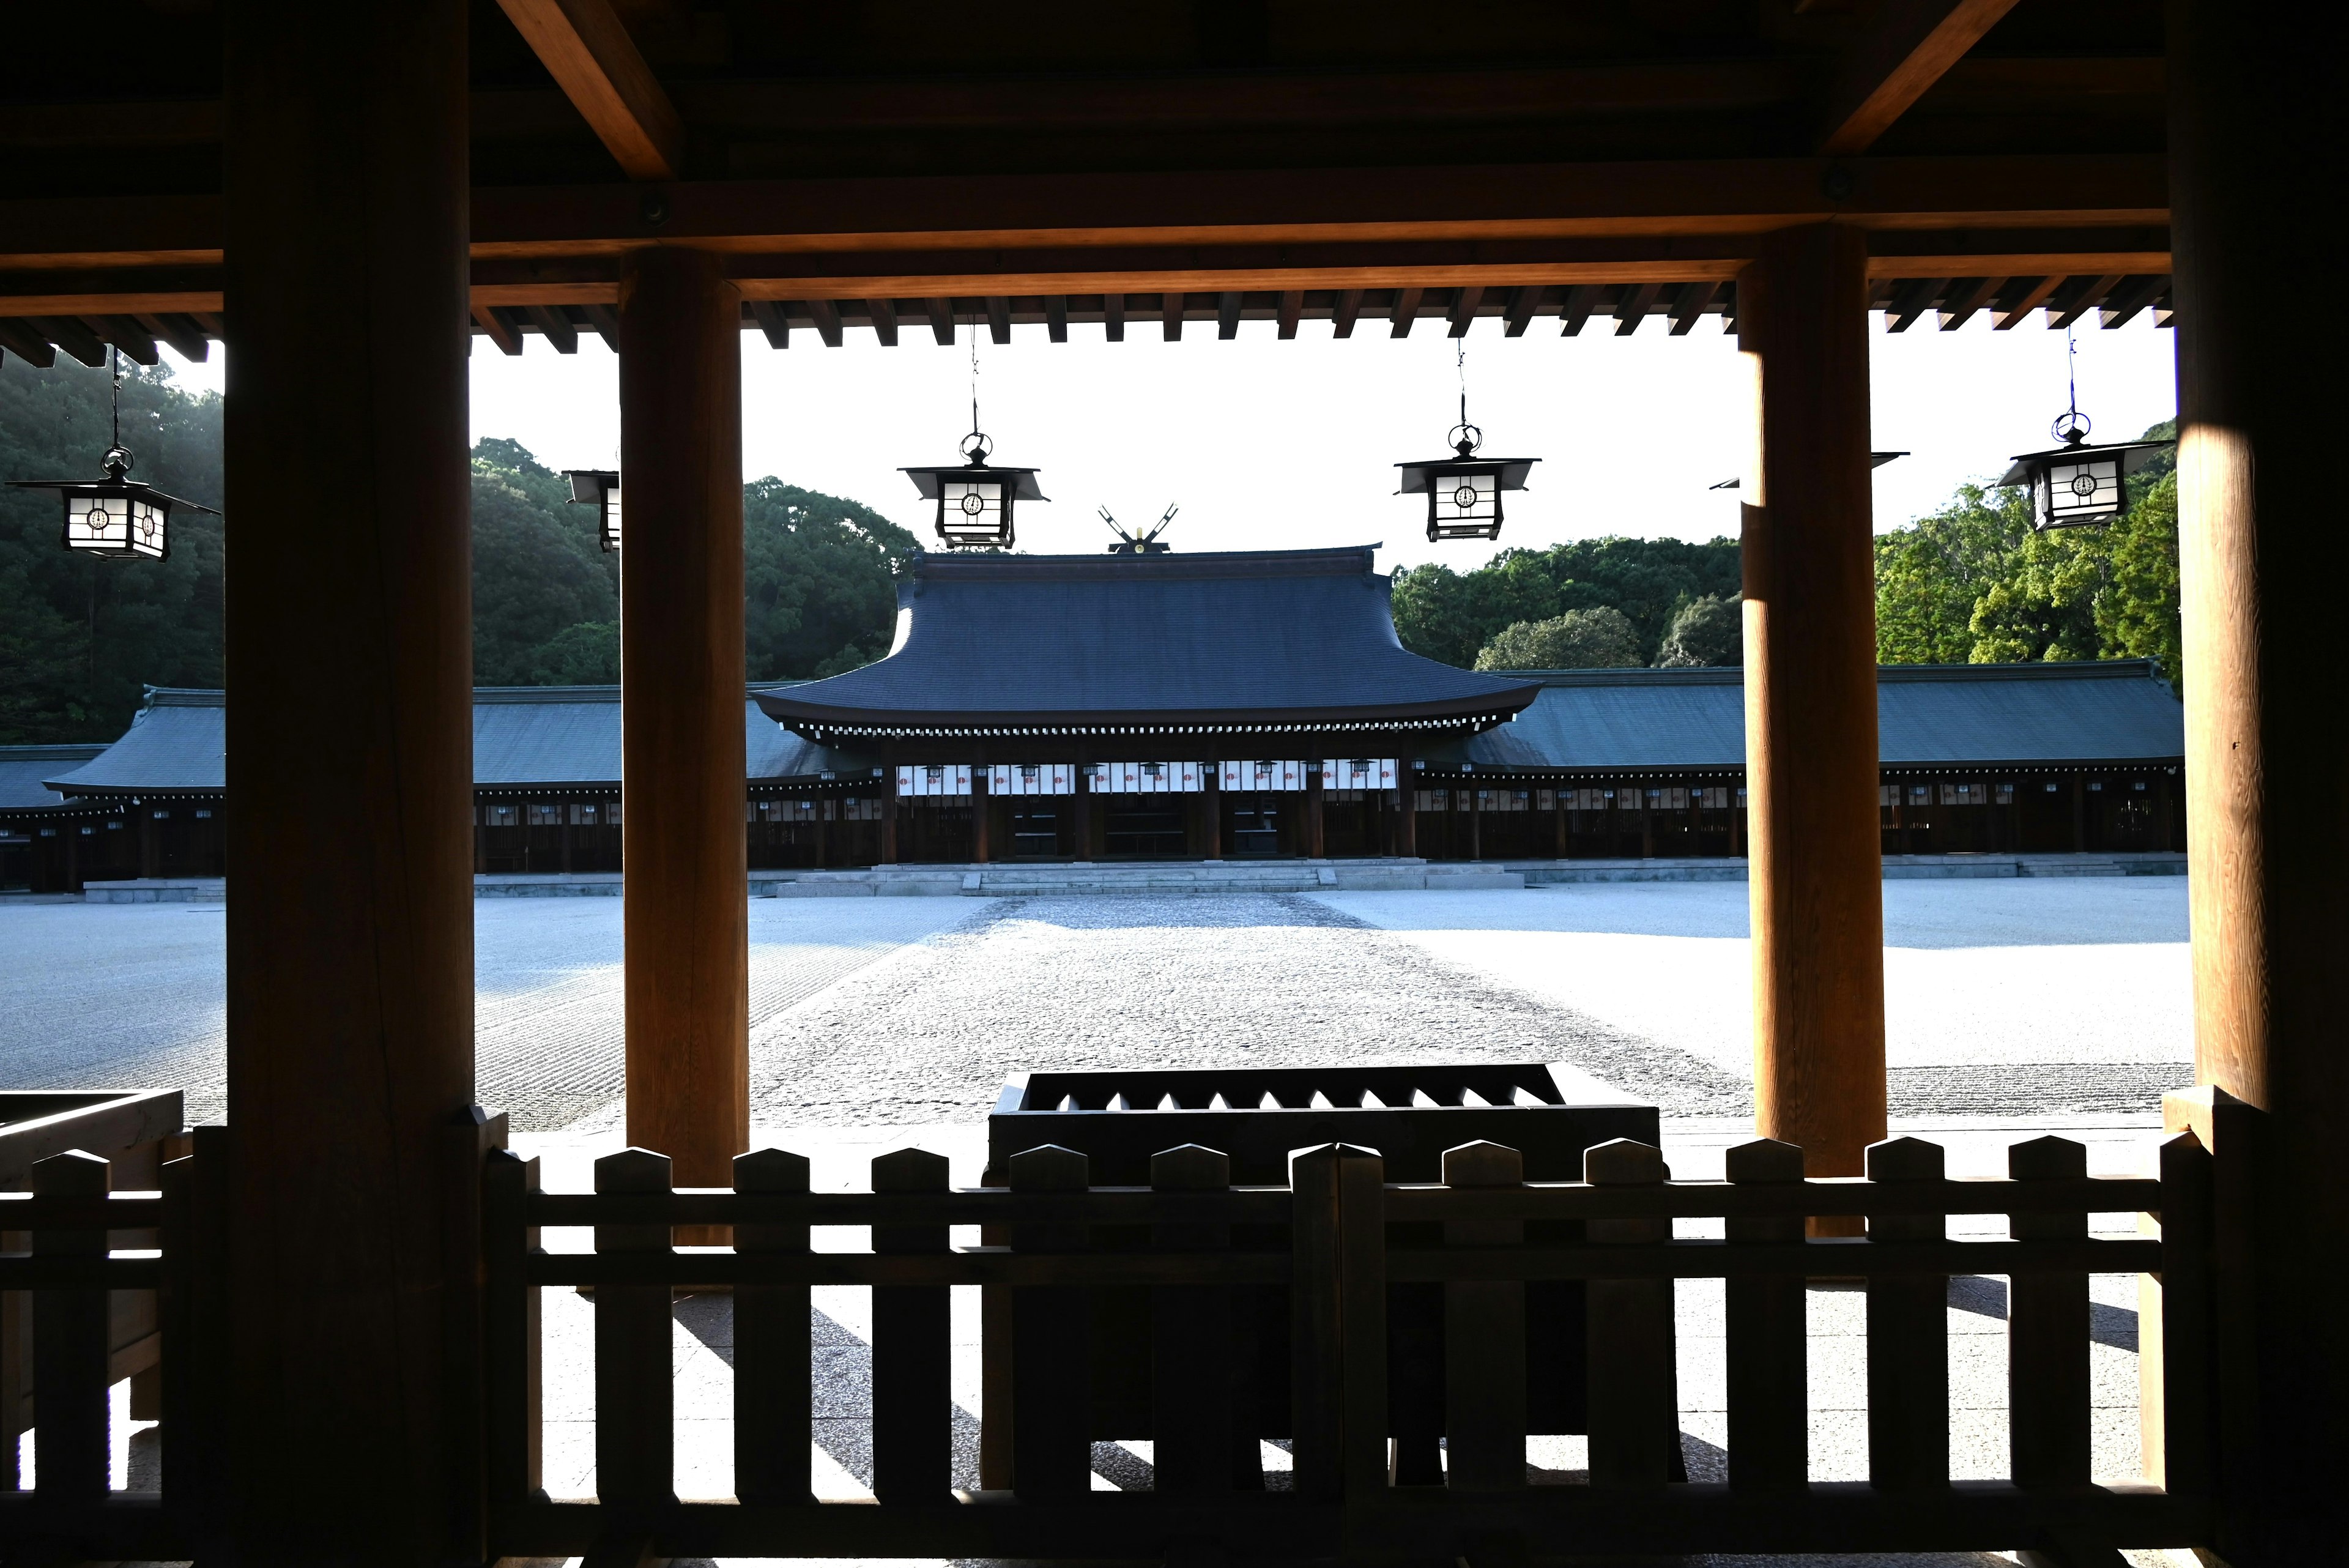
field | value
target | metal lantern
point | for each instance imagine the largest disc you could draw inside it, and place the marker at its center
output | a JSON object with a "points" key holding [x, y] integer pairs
{"points": [[2077, 485], [1463, 491], [117, 518], [601, 488], [976, 502]]}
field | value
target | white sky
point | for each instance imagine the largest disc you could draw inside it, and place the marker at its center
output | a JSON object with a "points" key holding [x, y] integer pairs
{"points": [[1288, 445]]}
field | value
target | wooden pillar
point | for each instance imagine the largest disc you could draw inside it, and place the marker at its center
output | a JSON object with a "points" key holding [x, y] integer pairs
{"points": [[1407, 809], [1313, 834], [1816, 883], [352, 1422], [681, 663], [2252, 131], [1211, 792], [889, 818], [151, 843], [2079, 815], [979, 815]]}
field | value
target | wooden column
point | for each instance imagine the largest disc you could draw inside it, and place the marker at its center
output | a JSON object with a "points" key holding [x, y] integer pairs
{"points": [[1817, 883], [1407, 809], [978, 813], [1211, 793], [2079, 815], [1313, 834], [350, 939], [2253, 132], [889, 819], [1085, 810], [151, 843], [682, 743]]}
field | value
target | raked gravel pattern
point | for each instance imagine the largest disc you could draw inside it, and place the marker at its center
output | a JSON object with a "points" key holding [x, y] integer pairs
{"points": [[1252, 979]]}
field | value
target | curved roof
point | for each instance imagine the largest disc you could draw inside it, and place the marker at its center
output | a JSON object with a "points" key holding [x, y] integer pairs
{"points": [[1926, 715], [1247, 637], [24, 771]]}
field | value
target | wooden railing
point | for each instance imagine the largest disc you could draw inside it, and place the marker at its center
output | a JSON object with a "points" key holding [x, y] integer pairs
{"points": [[1338, 1240]]}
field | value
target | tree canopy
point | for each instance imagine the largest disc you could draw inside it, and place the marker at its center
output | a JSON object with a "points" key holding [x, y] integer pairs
{"points": [[1601, 638], [80, 637], [1451, 616]]}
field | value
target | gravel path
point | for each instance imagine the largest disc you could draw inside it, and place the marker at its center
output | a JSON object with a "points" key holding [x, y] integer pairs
{"points": [[1252, 979]]}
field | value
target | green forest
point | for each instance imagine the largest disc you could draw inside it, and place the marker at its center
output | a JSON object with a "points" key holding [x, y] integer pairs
{"points": [[80, 637]]}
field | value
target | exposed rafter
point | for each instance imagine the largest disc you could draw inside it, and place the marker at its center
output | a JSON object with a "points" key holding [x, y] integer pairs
{"points": [[1906, 47], [586, 48]]}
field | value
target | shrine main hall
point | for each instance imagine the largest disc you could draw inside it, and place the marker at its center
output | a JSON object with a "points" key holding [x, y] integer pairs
{"points": [[1214, 707]]}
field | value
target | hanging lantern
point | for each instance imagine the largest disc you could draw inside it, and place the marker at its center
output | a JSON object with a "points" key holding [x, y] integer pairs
{"points": [[2077, 485], [976, 502], [115, 518], [1463, 491], [599, 487]]}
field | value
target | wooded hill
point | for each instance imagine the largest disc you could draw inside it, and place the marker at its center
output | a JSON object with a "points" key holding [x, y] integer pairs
{"points": [[80, 638]]}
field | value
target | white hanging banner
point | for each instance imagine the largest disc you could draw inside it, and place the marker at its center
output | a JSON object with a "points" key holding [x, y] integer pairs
{"points": [[1031, 778], [1263, 776], [1358, 772], [1147, 778], [934, 778]]}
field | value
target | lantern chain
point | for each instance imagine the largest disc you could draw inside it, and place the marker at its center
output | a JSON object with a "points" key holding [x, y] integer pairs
{"points": [[117, 457], [975, 446], [2072, 426], [1463, 438]]}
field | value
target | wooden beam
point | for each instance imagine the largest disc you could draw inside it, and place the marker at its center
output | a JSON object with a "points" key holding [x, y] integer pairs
{"points": [[1170, 315], [587, 49], [998, 317], [1464, 303], [1056, 317], [24, 341], [1906, 47], [1632, 309], [497, 329], [883, 314], [75, 338], [768, 314], [827, 316], [1967, 296], [2023, 295], [554, 326], [2078, 297], [1113, 317], [2134, 294], [1292, 307], [1524, 300], [1910, 301], [1404, 311], [1228, 315], [187, 340], [1688, 304], [1581, 299], [138, 344], [606, 320], [1343, 314], [941, 313]]}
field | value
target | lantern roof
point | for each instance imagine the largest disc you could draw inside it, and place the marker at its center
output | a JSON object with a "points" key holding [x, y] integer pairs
{"points": [[2134, 455], [1512, 471], [1021, 480], [1249, 640]]}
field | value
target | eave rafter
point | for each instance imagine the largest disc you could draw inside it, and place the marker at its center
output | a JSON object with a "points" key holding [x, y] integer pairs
{"points": [[587, 49], [1906, 47]]}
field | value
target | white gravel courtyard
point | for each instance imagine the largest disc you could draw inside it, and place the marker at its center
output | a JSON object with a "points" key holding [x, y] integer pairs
{"points": [[2005, 997]]}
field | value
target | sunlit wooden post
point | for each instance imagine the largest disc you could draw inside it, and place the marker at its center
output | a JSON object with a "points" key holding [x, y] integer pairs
{"points": [[682, 748], [350, 939], [2252, 131], [1810, 702]]}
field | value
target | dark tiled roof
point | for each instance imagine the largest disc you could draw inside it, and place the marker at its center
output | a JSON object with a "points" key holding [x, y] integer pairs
{"points": [[1268, 636], [1926, 716], [523, 737], [26, 770]]}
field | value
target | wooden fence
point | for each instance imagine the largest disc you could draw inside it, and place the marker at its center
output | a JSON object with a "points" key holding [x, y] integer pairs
{"points": [[1337, 1245], [1338, 1240]]}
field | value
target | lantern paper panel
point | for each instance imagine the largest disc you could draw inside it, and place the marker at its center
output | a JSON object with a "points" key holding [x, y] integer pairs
{"points": [[1032, 778], [123, 525], [2087, 489], [1148, 778], [934, 779], [1261, 775], [599, 488], [1358, 772], [970, 512]]}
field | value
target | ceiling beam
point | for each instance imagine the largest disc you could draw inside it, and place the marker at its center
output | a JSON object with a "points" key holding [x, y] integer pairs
{"points": [[586, 48], [1905, 48]]}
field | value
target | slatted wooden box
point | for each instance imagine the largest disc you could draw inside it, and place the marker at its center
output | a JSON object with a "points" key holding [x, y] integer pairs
{"points": [[1550, 1112]]}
